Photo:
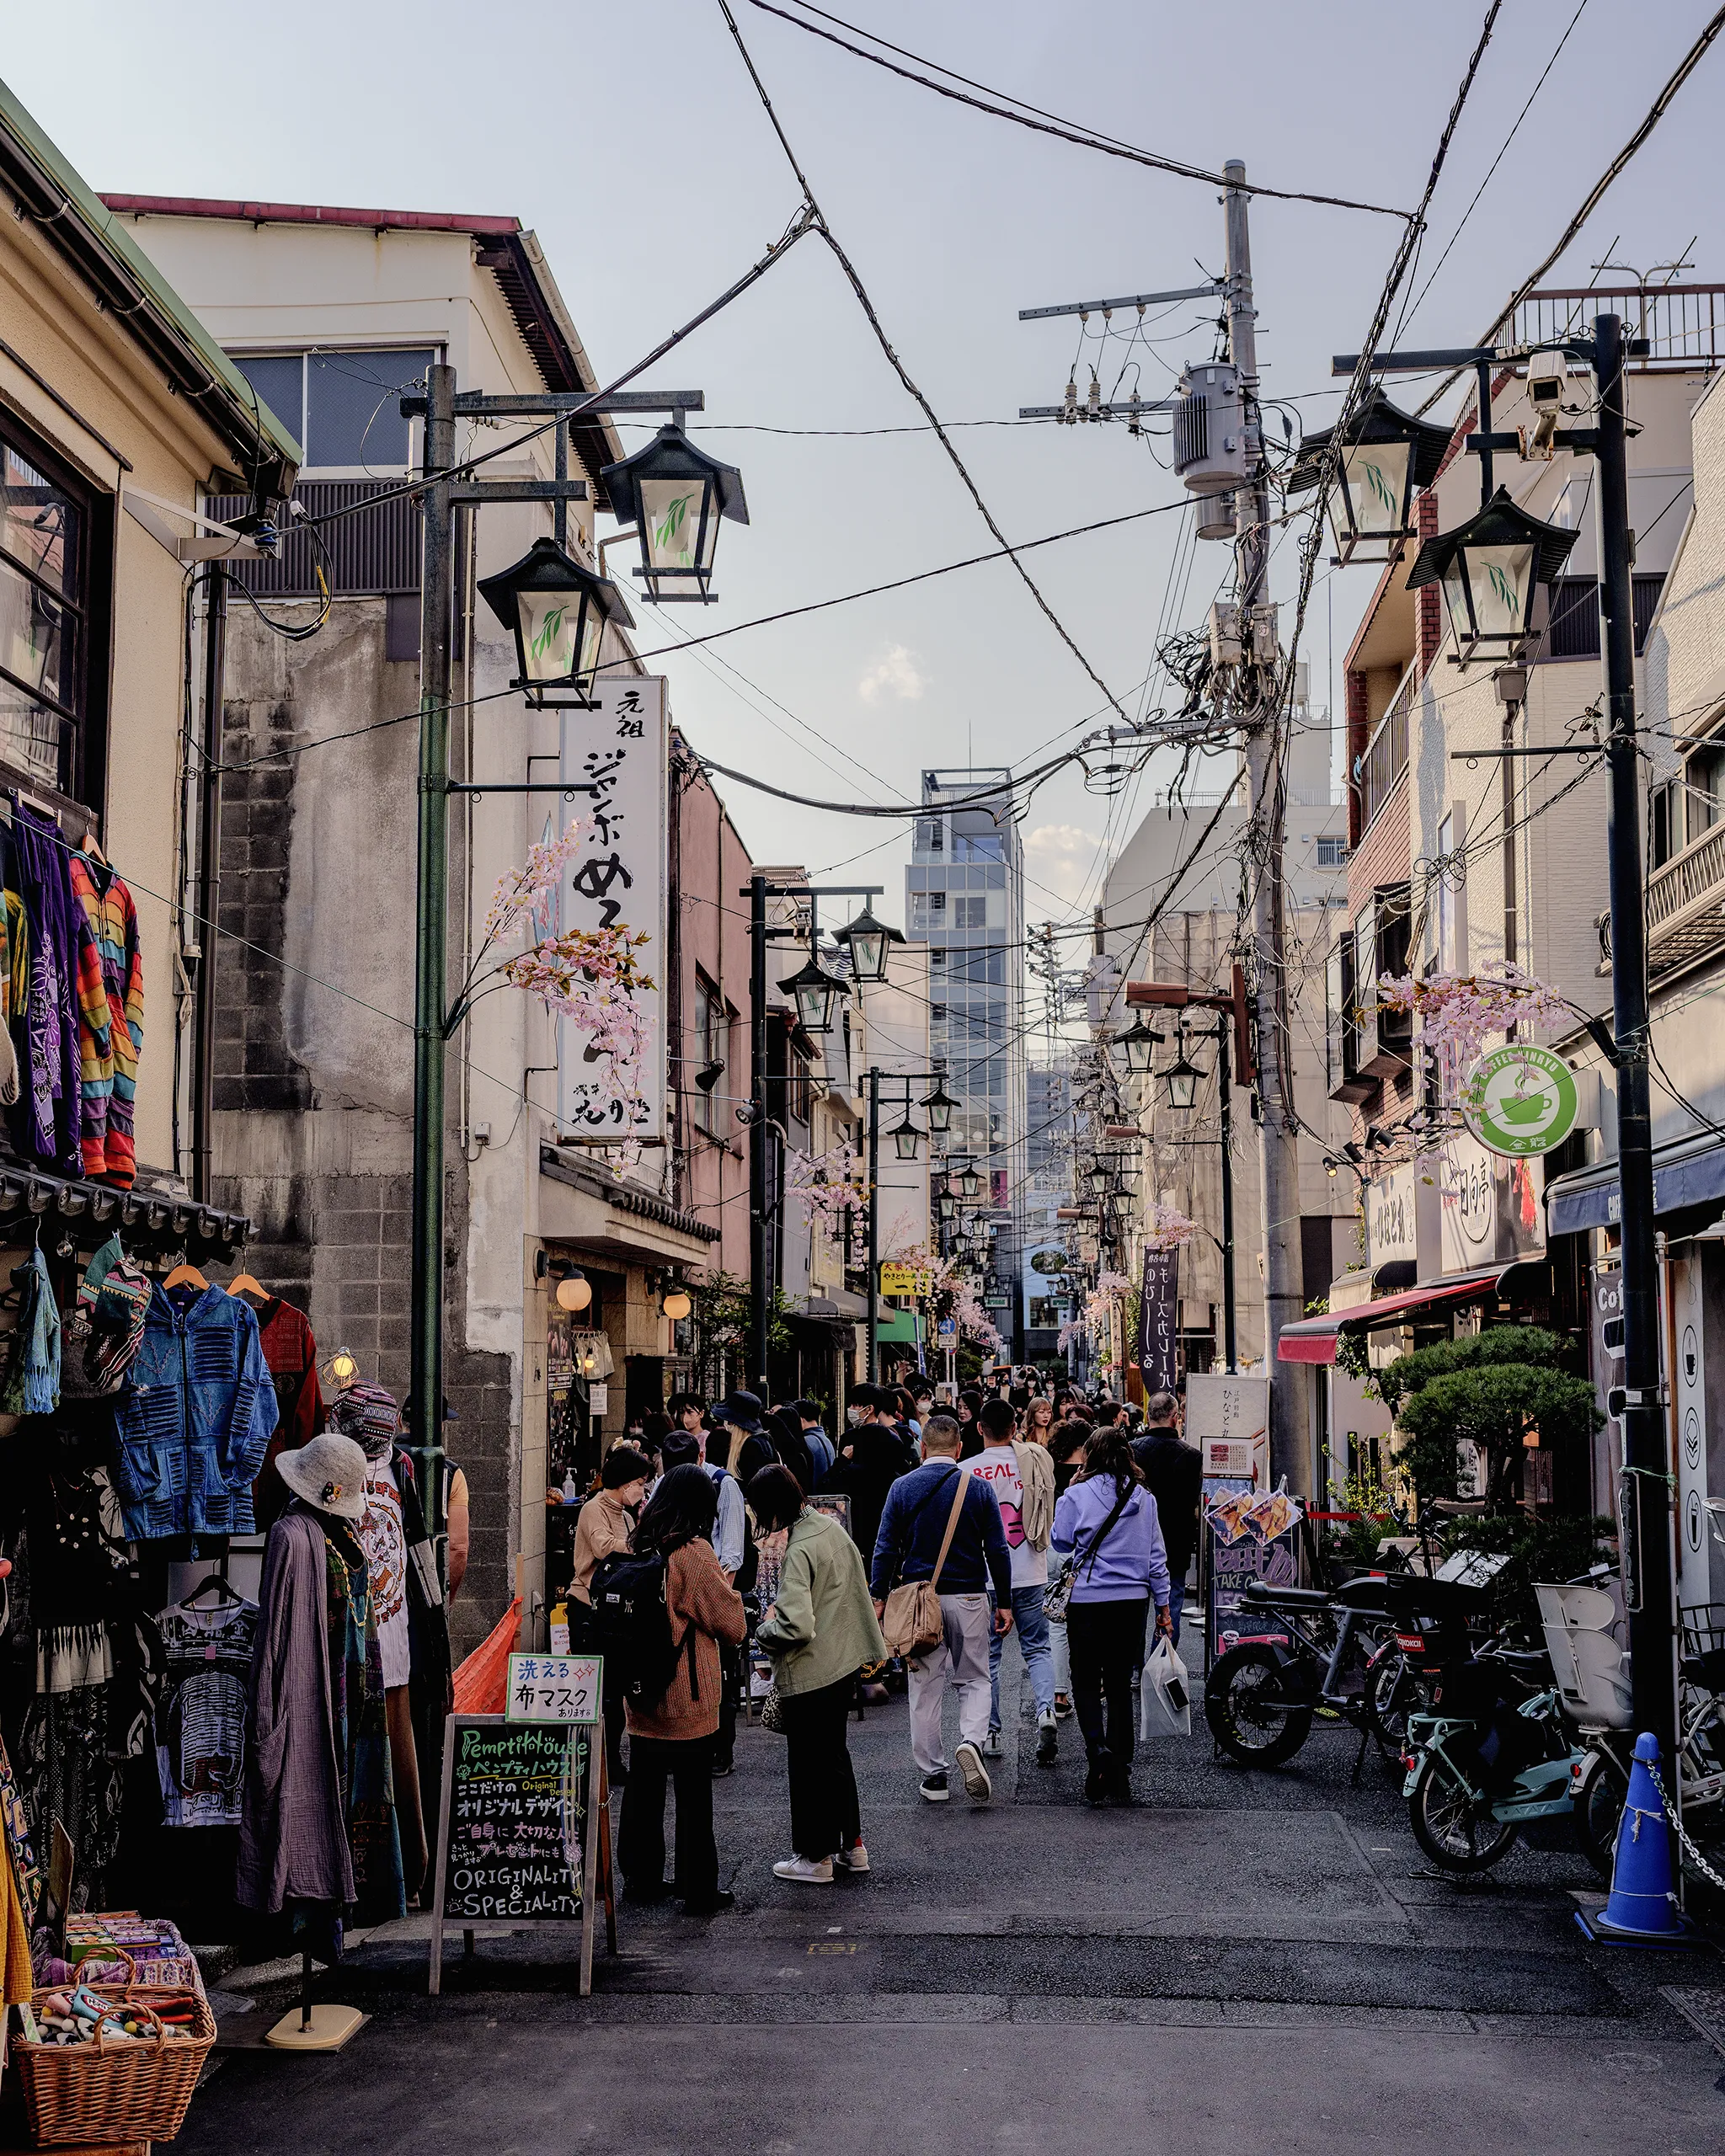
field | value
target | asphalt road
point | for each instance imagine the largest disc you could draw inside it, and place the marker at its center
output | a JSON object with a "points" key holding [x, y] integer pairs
{"points": [[1244, 1961]]}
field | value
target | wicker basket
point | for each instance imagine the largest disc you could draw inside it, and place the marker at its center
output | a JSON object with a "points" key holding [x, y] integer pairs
{"points": [[108, 2091]]}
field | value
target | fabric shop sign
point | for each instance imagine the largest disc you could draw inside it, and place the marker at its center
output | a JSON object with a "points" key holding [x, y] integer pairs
{"points": [[613, 773], [1158, 1321]]}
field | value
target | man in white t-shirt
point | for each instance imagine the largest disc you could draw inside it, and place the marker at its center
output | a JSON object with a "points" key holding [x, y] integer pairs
{"points": [[1022, 1476]]}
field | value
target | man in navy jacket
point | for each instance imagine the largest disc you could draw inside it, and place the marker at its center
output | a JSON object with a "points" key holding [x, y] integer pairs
{"points": [[913, 1525]]}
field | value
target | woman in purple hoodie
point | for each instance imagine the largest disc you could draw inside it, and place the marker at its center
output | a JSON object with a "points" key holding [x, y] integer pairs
{"points": [[1107, 1520]]}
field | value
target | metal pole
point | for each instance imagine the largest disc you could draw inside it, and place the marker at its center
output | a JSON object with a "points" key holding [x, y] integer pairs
{"points": [[1225, 1093], [759, 1261], [873, 1225], [1290, 1444], [431, 982], [1646, 1502], [209, 885]]}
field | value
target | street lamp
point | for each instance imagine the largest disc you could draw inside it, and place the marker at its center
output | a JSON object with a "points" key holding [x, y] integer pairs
{"points": [[559, 612], [1101, 1175], [677, 1304], [940, 1105], [867, 939], [948, 1204], [574, 1291], [817, 993], [1182, 1079], [970, 1182], [675, 495], [1140, 1042], [1387, 456], [906, 1137], [1488, 568]]}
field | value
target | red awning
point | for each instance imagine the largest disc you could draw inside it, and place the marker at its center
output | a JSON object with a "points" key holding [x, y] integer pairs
{"points": [[1313, 1339]]}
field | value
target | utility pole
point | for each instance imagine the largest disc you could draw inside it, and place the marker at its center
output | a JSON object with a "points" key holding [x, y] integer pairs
{"points": [[759, 1138], [1266, 782], [431, 975], [1646, 1493], [874, 1224]]}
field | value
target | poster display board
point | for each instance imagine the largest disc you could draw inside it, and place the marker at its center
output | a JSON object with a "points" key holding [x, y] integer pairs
{"points": [[1248, 1535], [518, 1824]]}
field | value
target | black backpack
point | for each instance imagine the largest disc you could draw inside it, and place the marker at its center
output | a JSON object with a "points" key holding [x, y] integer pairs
{"points": [[632, 1629]]}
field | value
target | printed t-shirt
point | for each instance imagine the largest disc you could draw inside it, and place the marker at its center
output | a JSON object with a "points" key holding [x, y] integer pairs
{"points": [[200, 1721], [385, 1542], [997, 1465]]}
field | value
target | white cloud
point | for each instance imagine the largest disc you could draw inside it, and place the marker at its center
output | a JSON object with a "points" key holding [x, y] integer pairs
{"points": [[895, 675], [1061, 857]]}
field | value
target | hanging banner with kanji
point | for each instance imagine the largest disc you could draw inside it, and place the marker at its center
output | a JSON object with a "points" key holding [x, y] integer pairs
{"points": [[1159, 1320], [613, 773]]}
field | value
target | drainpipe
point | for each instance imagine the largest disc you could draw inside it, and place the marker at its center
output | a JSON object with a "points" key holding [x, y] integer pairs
{"points": [[209, 885]]}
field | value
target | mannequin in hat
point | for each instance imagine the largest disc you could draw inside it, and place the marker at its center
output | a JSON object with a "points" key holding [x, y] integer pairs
{"points": [[317, 1823]]}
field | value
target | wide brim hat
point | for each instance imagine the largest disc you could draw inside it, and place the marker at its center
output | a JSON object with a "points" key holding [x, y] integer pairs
{"points": [[742, 1411], [329, 1473]]}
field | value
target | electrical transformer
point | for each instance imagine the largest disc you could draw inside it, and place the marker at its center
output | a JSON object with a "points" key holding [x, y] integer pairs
{"points": [[1212, 452]]}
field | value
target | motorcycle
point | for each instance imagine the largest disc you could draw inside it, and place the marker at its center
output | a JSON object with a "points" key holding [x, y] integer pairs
{"points": [[1358, 1653], [1492, 1751]]}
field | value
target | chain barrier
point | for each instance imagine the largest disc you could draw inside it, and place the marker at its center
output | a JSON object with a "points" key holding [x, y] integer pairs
{"points": [[1689, 1847]]}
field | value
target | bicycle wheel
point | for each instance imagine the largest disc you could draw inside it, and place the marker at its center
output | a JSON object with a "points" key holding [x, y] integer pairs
{"points": [[1456, 1834], [1599, 1806], [1250, 1713], [1391, 1694]]}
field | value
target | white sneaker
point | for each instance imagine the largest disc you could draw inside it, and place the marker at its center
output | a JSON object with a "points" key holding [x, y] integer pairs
{"points": [[806, 1870], [977, 1785], [854, 1859]]}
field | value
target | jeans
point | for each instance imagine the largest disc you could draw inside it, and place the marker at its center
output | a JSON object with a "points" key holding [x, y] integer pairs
{"points": [[685, 1763], [823, 1814], [1177, 1602], [960, 1660], [1030, 1619], [1107, 1643]]}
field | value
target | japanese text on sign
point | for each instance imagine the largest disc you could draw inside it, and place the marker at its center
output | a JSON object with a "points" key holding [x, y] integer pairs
{"points": [[553, 1688]]}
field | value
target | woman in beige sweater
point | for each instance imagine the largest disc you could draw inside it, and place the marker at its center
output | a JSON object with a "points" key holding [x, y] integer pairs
{"points": [[672, 1740]]}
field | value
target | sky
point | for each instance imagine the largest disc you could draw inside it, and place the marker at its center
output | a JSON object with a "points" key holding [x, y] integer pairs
{"points": [[631, 141]]}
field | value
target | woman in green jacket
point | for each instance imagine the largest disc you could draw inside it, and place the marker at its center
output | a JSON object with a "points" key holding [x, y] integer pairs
{"points": [[820, 1631]]}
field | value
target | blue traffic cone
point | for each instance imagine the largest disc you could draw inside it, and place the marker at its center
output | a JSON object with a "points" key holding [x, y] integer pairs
{"points": [[1641, 1910]]}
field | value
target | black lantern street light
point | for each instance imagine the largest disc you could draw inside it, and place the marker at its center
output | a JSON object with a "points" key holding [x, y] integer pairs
{"points": [[1140, 1042], [971, 1181], [1182, 1079], [1100, 1175], [1489, 569], [675, 495], [818, 993], [559, 611], [866, 940], [906, 1138], [1385, 458], [939, 1105], [948, 1204]]}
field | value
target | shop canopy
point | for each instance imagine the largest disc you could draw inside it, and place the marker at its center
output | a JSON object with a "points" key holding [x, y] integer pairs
{"points": [[897, 1325], [1313, 1339], [1689, 1171]]}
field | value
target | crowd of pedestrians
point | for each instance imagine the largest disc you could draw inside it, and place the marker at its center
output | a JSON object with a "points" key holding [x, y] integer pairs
{"points": [[964, 1520]]}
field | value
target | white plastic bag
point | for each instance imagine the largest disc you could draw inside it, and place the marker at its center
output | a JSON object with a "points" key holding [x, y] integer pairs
{"points": [[1165, 1699]]}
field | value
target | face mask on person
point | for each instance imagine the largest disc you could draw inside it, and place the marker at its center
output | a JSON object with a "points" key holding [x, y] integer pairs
{"points": [[854, 1415]]}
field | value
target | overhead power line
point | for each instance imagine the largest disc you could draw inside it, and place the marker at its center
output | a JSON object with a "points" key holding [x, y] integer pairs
{"points": [[1032, 116], [811, 211]]}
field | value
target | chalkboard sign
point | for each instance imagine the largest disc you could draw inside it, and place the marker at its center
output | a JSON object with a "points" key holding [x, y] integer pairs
{"points": [[518, 1828]]}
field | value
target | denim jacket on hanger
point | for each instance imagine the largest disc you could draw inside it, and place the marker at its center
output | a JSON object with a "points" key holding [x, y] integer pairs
{"points": [[192, 1423]]}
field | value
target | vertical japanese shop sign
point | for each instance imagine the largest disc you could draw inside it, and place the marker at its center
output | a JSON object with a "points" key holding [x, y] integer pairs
{"points": [[613, 770], [1158, 1316]]}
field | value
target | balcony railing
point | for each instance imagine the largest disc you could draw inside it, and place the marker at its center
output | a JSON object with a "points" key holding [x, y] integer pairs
{"points": [[1683, 324], [1385, 755], [1685, 911]]}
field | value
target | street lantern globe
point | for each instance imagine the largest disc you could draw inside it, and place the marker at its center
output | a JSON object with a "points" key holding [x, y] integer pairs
{"points": [[1100, 1176], [970, 1182], [1384, 457], [1182, 1079], [675, 495], [677, 1304], [559, 612], [867, 939], [940, 1105], [817, 993], [1490, 567], [574, 1291], [948, 1204], [1139, 1042], [906, 1137]]}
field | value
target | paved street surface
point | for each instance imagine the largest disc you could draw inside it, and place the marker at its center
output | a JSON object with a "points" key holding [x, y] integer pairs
{"points": [[1248, 1960]]}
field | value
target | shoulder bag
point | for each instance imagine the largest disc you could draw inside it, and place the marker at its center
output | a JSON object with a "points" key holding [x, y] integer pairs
{"points": [[913, 1623], [1058, 1592]]}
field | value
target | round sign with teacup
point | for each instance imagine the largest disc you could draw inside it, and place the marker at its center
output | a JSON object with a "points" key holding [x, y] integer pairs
{"points": [[1520, 1101]]}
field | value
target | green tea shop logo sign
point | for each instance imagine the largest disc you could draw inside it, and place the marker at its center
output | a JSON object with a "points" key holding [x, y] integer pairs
{"points": [[1520, 1101]]}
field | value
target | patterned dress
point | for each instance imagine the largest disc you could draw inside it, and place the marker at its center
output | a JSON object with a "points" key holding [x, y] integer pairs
{"points": [[111, 1020]]}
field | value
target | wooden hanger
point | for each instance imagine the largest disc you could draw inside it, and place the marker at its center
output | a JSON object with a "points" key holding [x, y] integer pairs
{"points": [[93, 848], [185, 1275], [244, 1283]]}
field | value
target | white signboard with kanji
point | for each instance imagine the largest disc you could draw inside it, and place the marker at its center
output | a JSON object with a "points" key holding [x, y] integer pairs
{"points": [[613, 774], [553, 1688]]}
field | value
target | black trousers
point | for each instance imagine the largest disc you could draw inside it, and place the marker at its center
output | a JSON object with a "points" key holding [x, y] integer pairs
{"points": [[731, 1664], [824, 1816], [1106, 1640], [687, 1765]]}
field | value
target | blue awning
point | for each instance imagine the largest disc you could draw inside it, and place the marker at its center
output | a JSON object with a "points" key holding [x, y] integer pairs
{"points": [[1688, 1172]]}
